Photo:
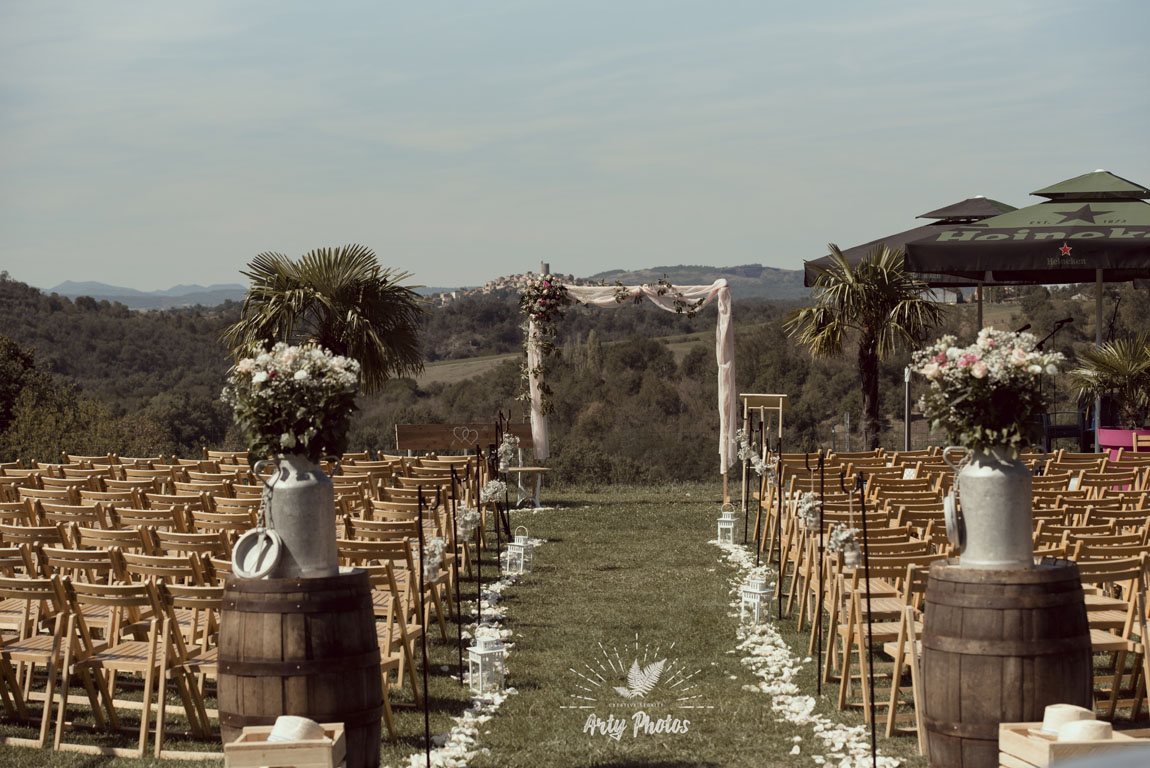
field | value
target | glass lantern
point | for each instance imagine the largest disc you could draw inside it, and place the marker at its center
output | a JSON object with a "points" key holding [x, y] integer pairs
{"points": [[727, 525], [755, 599], [485, 664], [520, 554]]}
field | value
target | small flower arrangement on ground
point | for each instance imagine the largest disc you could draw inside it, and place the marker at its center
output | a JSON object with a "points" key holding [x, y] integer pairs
{"points": [[508, 450], [493, 491], [843, 539], [807, 510], [293, 400], [987, 395]]}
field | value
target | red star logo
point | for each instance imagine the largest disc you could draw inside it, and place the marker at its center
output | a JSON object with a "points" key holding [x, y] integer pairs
{"points": [[1065, 249]]}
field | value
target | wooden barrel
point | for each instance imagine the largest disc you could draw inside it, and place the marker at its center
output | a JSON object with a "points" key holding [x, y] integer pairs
{"points": [[302, 647], [998, 646]]}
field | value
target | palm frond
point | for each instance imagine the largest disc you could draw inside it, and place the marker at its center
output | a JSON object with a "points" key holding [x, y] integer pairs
{"points": [[338, 298]]}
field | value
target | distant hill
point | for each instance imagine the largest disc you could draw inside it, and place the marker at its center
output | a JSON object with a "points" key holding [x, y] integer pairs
{"points": [[171, 298], [747, 281]]}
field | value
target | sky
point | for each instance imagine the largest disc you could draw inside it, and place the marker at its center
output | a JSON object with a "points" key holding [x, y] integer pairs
{"points": [[149, 144]]}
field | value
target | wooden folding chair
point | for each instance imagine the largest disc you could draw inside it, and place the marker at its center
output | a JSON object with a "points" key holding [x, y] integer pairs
{"points": [[43, 602], [402, 592], [88, 566], [53, 495], [17, 513], [122, 498], [152, 657], [906, 651], [125, 539], [200, 655], [230, 524], [212, 543], [1111, 630], [51, 535], [167, 519], [70, 514]]}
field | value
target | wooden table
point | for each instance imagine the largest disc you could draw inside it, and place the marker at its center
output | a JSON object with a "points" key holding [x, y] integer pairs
{"points": [[521, 492]]}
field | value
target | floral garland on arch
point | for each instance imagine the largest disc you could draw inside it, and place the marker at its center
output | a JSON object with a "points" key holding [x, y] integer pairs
{"points": [[542, 302]]}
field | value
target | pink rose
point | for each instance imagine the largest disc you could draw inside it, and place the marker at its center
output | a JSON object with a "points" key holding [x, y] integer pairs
{"points": [[978, 370]]}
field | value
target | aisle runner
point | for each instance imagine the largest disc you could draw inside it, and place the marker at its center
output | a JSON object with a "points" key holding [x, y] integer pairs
{"points": [[770, 658], [456, 748]]}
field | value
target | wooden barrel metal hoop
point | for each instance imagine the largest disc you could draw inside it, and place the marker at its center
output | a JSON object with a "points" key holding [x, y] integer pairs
{"points": [[303, 647], [999, 646]]}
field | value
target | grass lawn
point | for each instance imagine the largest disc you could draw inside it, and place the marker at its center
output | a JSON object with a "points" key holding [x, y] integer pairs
{"points": [[629, 571]]}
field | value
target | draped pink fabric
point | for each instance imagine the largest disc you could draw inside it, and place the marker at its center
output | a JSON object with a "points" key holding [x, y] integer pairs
{"points": [[604, 296]]}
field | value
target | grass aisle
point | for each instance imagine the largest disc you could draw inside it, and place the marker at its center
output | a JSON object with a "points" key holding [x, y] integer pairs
{"points": [[629, 562]]}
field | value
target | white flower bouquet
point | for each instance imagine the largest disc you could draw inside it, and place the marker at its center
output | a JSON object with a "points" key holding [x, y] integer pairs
{"points": [[293, 400], [466, 521], [433, 556], [508, 450], [807, 510], [987, 395], [493, 491], [843, 539]]}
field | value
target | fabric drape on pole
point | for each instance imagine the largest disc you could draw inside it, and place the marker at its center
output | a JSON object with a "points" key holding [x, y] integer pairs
{"points": [[605, 296], [539, 436]]}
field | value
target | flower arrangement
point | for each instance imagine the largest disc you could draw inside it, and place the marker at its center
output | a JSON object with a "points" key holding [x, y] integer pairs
{"points": [[433, 551], [493, 491], [293, 400], [543, 300], [843, 539], [985, 396], [508, 450], [466, 520], [746, 453], [807, 510]]}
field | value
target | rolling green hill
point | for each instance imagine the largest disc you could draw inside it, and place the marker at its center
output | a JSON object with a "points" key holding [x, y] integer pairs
{"points": [[747, 281]]}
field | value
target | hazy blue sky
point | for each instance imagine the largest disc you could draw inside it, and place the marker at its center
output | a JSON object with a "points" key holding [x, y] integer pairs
{"points": [[152, 143]]}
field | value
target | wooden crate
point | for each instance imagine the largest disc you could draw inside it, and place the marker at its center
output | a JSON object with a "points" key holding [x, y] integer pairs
{"points": [[1024, 745], [252, 750]]}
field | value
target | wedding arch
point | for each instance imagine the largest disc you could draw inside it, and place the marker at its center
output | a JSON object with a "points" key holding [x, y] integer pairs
{"points": [[671, 298]]}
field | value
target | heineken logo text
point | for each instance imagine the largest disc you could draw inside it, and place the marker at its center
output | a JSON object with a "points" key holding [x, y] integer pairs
{"points": [[1115, 233]]}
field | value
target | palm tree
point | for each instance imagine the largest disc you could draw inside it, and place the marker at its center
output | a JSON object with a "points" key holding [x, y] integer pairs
{"points": [[338, 298], [878, 302], [1121, 369]]}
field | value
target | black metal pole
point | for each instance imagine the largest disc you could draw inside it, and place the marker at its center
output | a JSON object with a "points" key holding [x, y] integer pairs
{"points": [[819, 602], [779, 530], [860, 485], [423, 631], [459, 552], [746, 485]]}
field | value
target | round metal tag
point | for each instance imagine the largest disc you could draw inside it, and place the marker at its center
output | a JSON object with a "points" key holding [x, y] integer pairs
{"points": [[256, 553]]}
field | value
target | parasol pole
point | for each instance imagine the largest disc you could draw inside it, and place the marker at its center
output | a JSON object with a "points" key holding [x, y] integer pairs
{"points": [[1097, 345]]}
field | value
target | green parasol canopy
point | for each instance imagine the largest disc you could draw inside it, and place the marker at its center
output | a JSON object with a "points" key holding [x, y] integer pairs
{"points": [[1097, 221]]}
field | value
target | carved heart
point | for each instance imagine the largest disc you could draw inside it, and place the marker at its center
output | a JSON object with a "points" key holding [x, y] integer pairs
{"points": [[464, 435]]}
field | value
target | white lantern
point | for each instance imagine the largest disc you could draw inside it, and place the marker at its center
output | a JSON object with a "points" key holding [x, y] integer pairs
{"points": [[727, 525], [485, 663], [520, 554], [755, 599]]}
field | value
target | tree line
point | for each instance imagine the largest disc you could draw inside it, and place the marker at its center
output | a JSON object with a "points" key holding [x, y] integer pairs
{"points": [[90, 377]]}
